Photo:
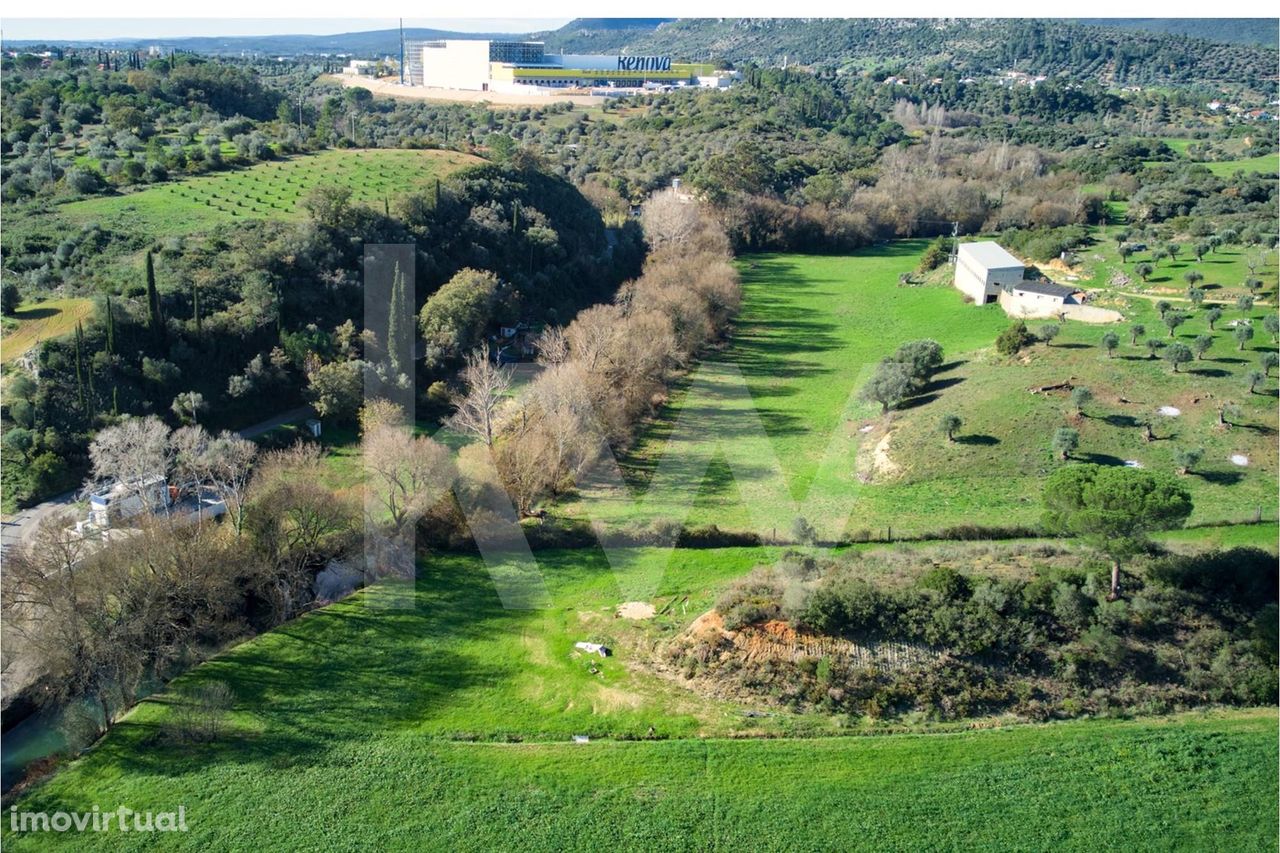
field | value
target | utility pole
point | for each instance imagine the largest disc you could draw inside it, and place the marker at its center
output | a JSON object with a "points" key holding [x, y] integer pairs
{"points": [[402, 51]]}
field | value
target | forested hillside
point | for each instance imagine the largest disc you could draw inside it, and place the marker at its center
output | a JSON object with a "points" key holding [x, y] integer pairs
{"points": [[1264, 32], [967, 46]]}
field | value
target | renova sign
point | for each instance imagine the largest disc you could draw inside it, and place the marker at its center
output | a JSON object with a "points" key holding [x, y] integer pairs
{"points": [[644, 63]]}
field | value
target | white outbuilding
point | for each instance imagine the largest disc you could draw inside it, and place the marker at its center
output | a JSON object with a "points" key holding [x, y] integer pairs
{"points": [[985, 269]]}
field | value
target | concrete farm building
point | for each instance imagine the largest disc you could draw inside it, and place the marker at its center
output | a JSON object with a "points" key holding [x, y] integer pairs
{"points": [[984, 270], [524, 67]]}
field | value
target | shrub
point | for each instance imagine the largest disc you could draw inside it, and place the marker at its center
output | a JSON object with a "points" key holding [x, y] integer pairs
{"points": [[947, 582], [751, 600], [201, 712], [1244, 576], [1014, 338]]}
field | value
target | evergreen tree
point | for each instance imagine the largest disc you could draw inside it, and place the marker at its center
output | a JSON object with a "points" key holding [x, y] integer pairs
{"points": [[155, 322], [195, 306], [397, 323], [111, 327], [80, 365]]}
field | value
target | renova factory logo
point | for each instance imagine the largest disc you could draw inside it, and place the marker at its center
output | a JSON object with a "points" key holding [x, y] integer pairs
{"points": [[644, 63]]}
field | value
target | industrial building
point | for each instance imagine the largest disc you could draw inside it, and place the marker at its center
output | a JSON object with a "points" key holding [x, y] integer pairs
{"points": [[525, 67]]}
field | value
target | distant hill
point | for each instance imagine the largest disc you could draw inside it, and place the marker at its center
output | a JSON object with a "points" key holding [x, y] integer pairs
{"points": [[1256, 31], [370, 43], [599, 35]]}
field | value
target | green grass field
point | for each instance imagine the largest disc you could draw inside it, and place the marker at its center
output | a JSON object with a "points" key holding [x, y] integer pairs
{"points": [[1194, 782], [40, 321], [1267, 164], [358, 725], [271, 190], [353, 726], [811, 331]]}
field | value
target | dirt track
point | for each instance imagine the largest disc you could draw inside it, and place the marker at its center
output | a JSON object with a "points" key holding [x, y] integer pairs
{"points": [[392, 89]]}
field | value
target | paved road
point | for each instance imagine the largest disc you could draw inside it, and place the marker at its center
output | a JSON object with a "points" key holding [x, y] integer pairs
{"points": [[24, 522], [289, 417], [16, 528]]}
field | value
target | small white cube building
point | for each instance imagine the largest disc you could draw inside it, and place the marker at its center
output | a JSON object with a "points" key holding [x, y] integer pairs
{"points": [[985, 269]]}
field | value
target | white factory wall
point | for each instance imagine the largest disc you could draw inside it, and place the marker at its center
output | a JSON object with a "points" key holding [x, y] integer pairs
{"points": [[458, 65]]}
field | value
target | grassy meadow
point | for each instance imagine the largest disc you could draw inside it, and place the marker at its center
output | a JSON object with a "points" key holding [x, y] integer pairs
{"points": [[431, 716], [272, 190], [39, 321], [770, 429], [1267, 164]]}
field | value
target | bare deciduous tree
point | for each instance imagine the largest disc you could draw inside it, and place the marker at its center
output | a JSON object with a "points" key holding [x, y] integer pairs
{"points": [[96, 618], [553, 346], [132, 453], [667, 218], [295, 524], [409, 473], [228, 468], [476, 410]]}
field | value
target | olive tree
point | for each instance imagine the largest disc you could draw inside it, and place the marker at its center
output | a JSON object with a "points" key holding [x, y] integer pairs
{"points": [[1080, 397], [1177, 354], [948, 425], [1187, 458], [1065, 442], [889, 386]]}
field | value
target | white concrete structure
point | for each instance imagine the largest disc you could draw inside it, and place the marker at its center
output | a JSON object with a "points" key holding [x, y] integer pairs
{"points": [[984, 270], [1032, 301], [357, 67], [123, 501]]}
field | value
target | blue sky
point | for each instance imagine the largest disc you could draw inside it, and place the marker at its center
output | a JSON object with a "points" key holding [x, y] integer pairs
{"points": [[72, 29]]}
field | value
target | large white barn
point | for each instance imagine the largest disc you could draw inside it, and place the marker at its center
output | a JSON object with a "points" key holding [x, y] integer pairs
{"points": [[985, 269]]}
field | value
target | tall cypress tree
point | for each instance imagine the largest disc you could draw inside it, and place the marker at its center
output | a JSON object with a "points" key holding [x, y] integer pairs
{"points": [[397, 325], [195, 305], [111, 327], [155, 322], [93, 395], [80, 365]]}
